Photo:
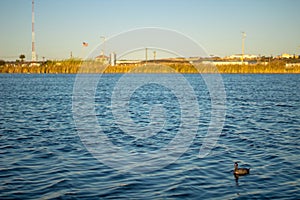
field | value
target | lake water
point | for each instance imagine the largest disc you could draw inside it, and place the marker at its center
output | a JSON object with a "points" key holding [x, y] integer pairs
{"points": [[43, 156]]}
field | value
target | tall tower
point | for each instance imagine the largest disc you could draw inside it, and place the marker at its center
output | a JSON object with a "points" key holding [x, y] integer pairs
{"points": [[33, 55], [243, 46]]}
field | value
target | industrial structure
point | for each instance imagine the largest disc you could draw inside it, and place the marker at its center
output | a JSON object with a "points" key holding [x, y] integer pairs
{"points": [[243, 46], [33, 53]]}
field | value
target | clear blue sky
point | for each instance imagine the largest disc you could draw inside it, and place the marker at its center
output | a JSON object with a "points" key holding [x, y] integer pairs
{"points": [[272, 26]]}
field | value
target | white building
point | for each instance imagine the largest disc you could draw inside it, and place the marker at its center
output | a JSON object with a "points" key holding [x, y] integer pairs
{"points": [[239, 56], [287, 65], [113, 59], [224, 63], [285, 55]]}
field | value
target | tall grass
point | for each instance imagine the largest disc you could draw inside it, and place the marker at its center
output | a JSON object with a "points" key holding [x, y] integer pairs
{"points": [[72, 66]]}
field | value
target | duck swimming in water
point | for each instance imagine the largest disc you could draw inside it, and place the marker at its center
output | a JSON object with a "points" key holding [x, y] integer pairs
{"points": [[240, 171]]}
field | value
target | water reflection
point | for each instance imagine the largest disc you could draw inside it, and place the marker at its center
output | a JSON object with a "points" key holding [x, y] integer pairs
{"points": [[236, 179]]}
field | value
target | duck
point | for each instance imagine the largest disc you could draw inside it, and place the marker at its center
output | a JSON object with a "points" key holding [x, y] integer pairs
{"points": [[240, 171]]}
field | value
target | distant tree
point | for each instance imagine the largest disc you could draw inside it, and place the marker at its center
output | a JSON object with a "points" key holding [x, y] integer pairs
{"points": [[2, 62], [22, 57]]}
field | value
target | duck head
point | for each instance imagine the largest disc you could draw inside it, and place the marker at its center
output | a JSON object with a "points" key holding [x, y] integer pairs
{"points": [[236, 165]]}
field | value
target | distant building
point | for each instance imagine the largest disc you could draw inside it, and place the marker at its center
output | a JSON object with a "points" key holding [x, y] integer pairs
{"points": [[285, 55], [287, 65], [102, 59], [224, 63], [239, 56], [128, 62], [113, 59]]}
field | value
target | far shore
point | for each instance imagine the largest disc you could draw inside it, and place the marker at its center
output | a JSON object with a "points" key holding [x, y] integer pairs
{"points": [[73, 66]]}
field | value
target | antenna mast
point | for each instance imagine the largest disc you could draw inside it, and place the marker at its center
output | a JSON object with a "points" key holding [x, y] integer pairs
{"points": [[243, 45], [33, 55]]}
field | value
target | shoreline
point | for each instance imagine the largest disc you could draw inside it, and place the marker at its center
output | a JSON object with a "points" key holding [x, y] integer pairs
{"points": [[147, 68]]}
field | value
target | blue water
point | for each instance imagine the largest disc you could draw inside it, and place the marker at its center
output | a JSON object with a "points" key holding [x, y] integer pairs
{"points": [[42, 155]]}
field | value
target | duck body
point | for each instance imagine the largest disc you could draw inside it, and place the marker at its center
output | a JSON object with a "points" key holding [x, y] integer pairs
{"points": [[240, 171]]}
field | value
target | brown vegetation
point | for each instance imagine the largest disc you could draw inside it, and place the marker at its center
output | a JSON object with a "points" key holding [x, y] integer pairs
{"points": [[73, 66]]}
